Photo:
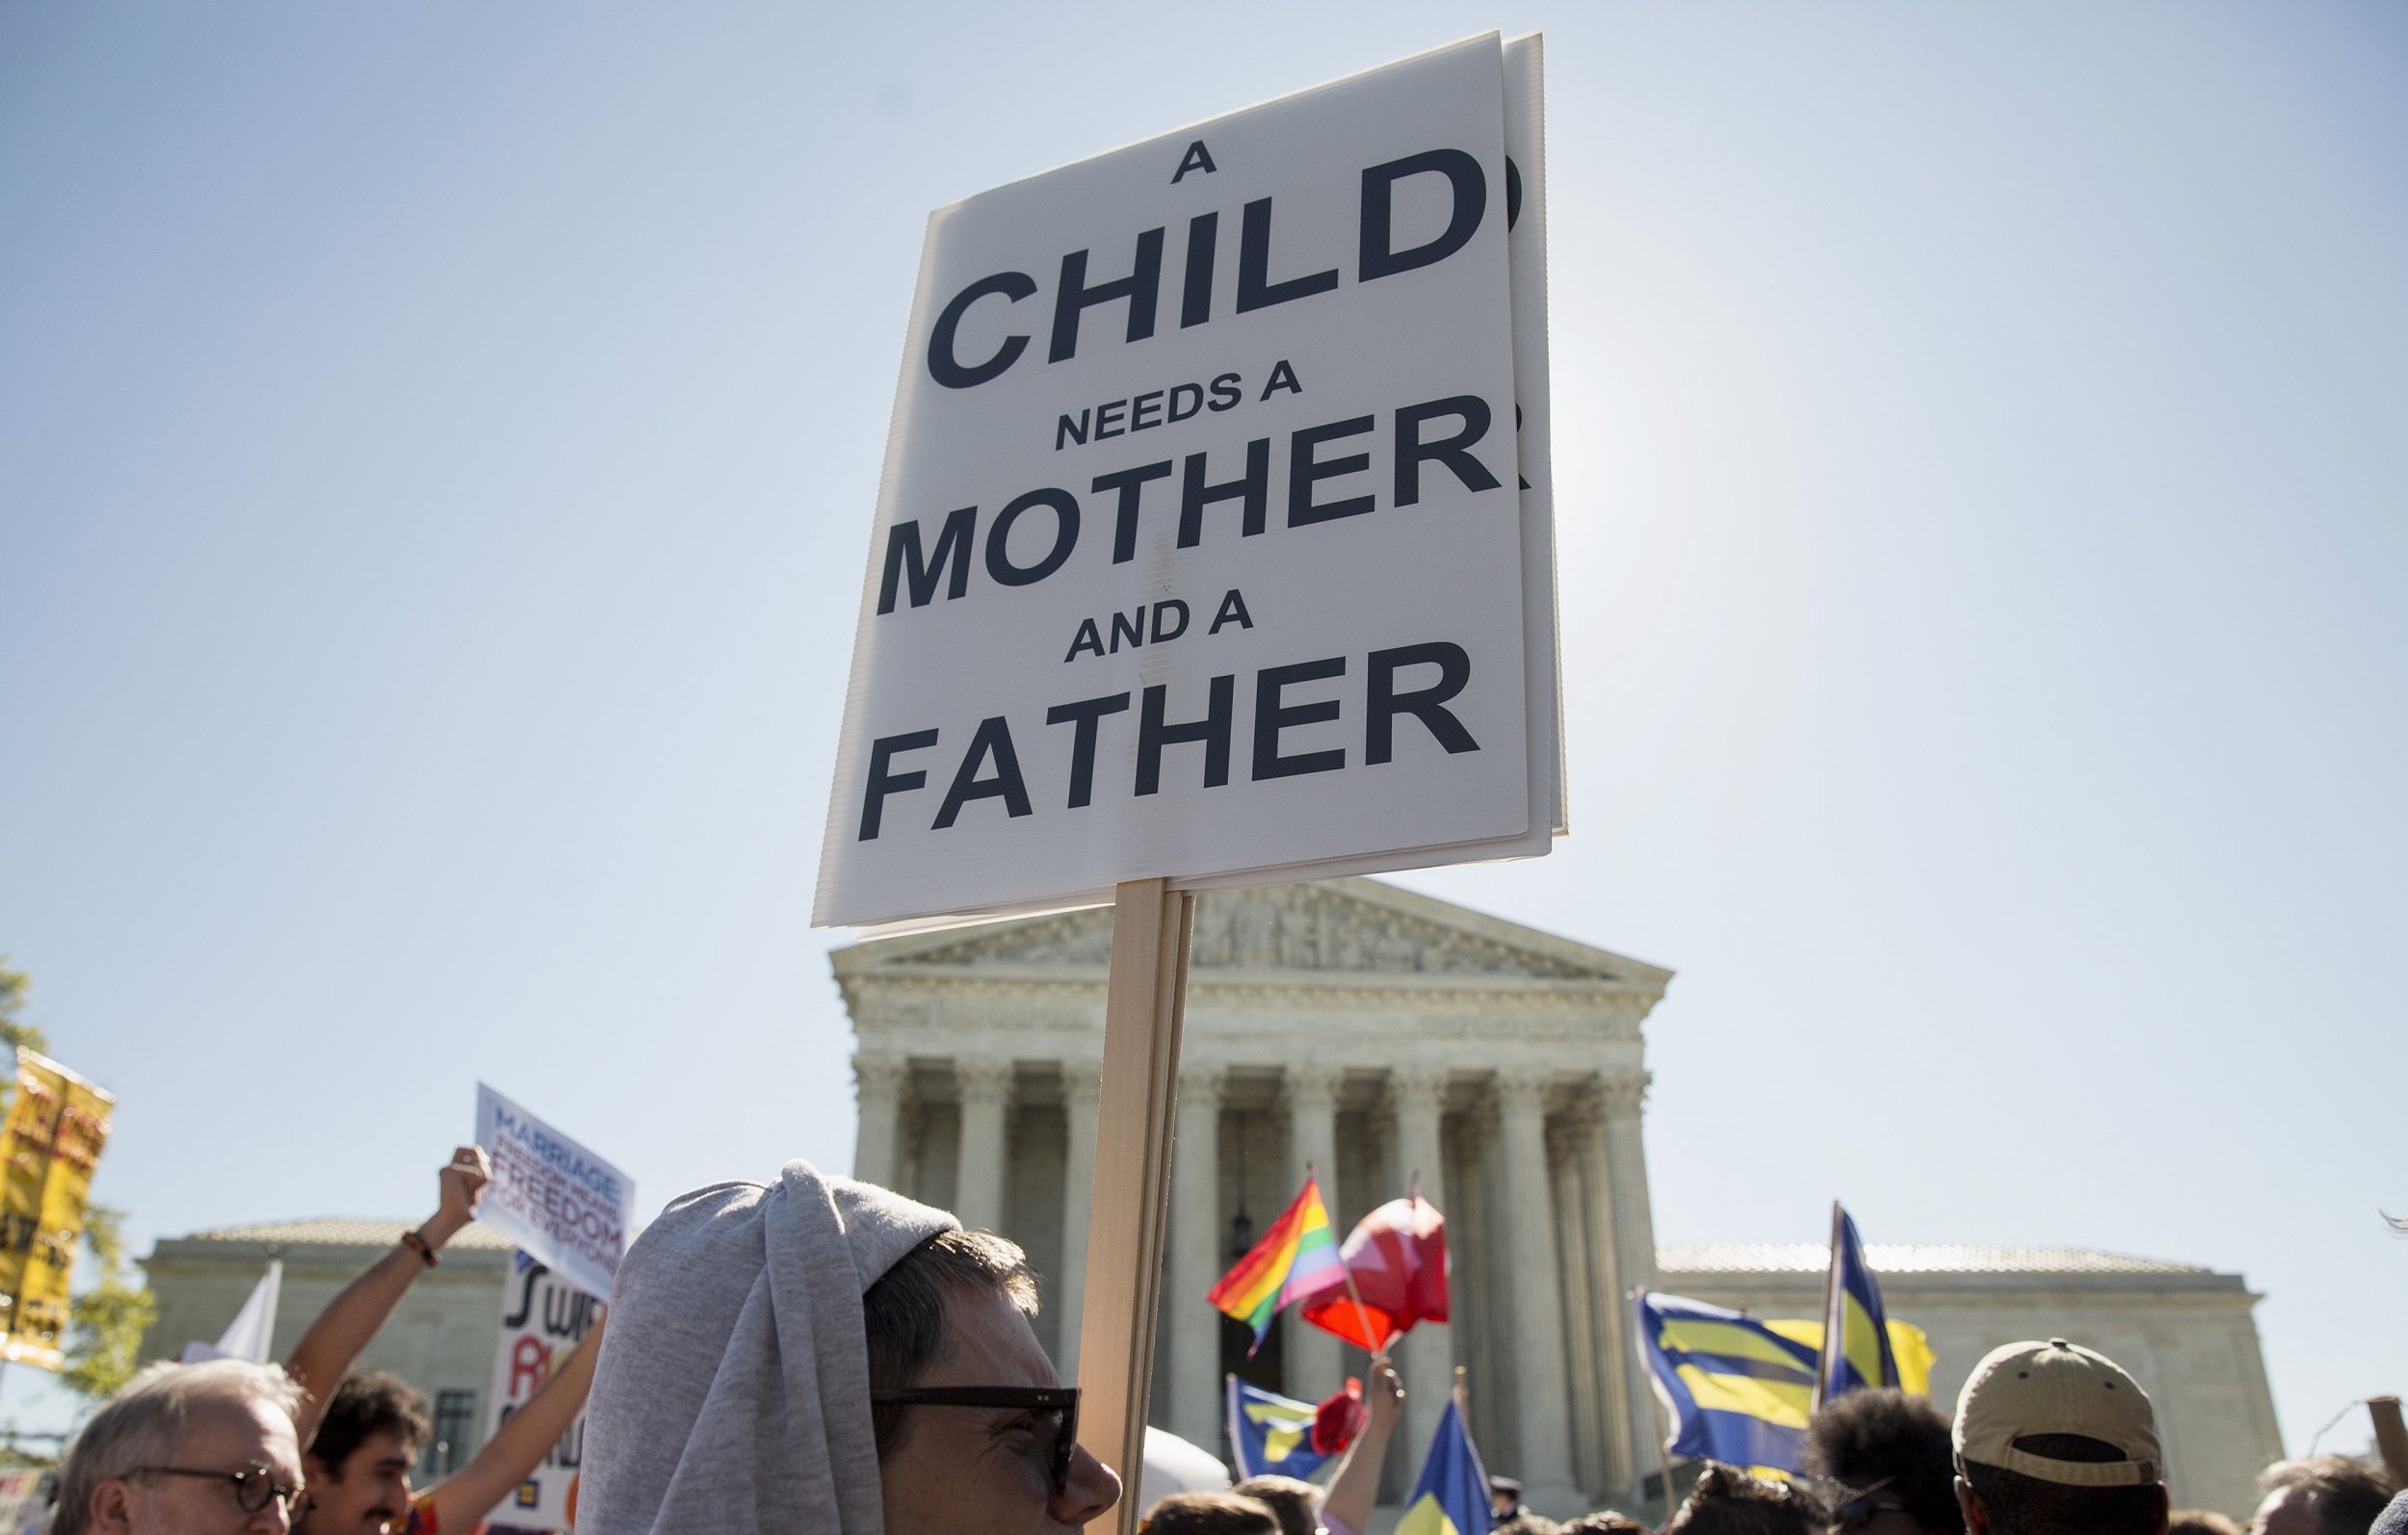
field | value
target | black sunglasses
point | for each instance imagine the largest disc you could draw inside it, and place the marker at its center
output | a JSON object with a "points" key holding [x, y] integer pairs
{"points": [[256, 1485], [1059, 1399]]}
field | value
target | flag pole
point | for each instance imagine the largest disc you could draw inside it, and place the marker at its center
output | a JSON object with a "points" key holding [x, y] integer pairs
{"points": [[1832, 1336], [1362, 1317]]}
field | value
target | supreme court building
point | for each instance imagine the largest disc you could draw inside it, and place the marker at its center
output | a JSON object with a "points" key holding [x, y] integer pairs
{"points": [[1381, 1035]]}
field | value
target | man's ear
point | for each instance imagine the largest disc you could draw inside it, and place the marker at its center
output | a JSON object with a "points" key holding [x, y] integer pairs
{"points": [[111, 1507], [1976, 1516]]}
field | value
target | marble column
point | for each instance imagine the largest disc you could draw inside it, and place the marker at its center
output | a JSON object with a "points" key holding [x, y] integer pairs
{"points": [[1620, 1095], [986, 1088], [878, 1084], [1316, 1362], [1537, 1341], [1627, 1450], [1425, 1359], [1082, 1093], [1580, 1333], [1192, 1395]]}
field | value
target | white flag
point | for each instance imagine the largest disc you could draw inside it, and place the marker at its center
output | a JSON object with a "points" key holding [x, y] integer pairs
{"points": [[248, 1335]]}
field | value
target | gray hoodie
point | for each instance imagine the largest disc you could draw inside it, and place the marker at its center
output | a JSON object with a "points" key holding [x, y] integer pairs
{"points": [[732, 1397]]}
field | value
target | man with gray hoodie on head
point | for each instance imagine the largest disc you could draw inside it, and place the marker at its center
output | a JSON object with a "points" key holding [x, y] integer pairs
{"points": [[823, 1355]]}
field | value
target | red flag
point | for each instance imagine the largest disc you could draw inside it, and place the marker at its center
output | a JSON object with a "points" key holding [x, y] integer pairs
{"points": [[1339, 1418], [1397, 1255]]}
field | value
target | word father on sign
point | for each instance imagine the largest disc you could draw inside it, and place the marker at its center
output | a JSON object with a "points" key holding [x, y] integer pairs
{"points": [[565, 1207], [1201, 549]]}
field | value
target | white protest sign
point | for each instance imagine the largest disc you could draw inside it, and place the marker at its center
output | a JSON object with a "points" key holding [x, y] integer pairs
{"points": [[542, 1318], [1199, 550], [551, 1196]]}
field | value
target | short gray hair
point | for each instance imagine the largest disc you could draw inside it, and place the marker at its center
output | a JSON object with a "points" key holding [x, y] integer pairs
{"points": [[143, 1423]]}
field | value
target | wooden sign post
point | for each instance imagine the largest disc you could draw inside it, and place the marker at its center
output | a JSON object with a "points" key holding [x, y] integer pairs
{"points": [[1142, 1011]]}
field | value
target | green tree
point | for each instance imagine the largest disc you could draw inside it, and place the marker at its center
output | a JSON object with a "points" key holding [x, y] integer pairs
{"points": [[13, 1030], [105, 1323], [106, 1326]]}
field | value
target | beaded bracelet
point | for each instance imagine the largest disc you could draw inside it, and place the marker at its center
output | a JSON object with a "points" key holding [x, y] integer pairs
{"points": [[418, 1245]]}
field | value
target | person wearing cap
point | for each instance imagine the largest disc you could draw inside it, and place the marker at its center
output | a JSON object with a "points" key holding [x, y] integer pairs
{"points": [[823, 1355], [2054, 1439]]}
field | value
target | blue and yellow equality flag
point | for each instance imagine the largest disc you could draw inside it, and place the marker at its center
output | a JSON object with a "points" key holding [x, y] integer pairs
{"points": [[1271, 1435], [1452, 1497], [1739, 1391], [1856, 1338], [1908, 1345]]}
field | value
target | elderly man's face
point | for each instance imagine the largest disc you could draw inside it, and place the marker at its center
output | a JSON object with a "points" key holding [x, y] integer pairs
{"points": [[220, 1436], [986, 1471]]}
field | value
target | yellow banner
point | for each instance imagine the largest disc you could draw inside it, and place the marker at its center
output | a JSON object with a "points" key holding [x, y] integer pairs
{"points": [[57, 1126]]}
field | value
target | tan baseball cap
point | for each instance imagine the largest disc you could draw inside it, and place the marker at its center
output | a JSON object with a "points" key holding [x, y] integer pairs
{"points": [[2057, 1387]]}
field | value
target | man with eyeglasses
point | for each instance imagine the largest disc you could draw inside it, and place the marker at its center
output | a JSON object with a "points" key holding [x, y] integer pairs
{"points": [[823, 1355], [187, 1449]]}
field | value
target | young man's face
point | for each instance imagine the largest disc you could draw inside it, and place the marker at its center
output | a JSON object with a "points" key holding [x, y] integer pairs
{"points": [[218, 1436], [985, 1470], [365, 1495]]}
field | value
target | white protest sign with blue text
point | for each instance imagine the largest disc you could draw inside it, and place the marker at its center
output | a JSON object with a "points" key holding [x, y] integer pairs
{"points": [[563, 1206], [1199, 549]]}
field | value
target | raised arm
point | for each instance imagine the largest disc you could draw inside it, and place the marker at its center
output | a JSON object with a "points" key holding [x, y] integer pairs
{"points": [[324, 1353], [1355, 1489], [525, 1436]]}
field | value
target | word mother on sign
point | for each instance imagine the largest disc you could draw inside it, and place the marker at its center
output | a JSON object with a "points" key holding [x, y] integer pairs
{"points": [[1199, 548]]}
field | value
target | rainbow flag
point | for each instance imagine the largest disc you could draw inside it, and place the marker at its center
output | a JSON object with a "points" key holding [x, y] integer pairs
{"points": [[1296, 1257]]}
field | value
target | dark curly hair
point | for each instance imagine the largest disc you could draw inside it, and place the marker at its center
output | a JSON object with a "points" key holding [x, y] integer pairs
{"points": [[374, 1403], [1728, 1501], [1865, 1437]]}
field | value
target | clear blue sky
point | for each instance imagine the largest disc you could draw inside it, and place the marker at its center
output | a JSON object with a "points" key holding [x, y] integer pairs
{"points": [[436, 452]]}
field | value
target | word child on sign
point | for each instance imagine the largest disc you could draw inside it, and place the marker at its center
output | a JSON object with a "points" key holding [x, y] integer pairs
{"points": [[559, 1202]]}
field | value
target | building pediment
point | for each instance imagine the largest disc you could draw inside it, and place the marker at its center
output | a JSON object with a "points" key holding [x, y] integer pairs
{"points": [[1339, 926]]}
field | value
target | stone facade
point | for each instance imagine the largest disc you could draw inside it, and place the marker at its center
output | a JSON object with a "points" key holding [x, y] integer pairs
{"points": [[441, 1337], [1364, 1030], [1378, 1036]]}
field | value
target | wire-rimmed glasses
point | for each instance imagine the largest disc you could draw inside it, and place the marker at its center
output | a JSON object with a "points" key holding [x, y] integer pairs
{"points": [[255, 1486]]}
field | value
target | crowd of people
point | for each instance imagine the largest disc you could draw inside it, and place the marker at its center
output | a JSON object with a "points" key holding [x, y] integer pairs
{"points": [[821, 1355]]}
